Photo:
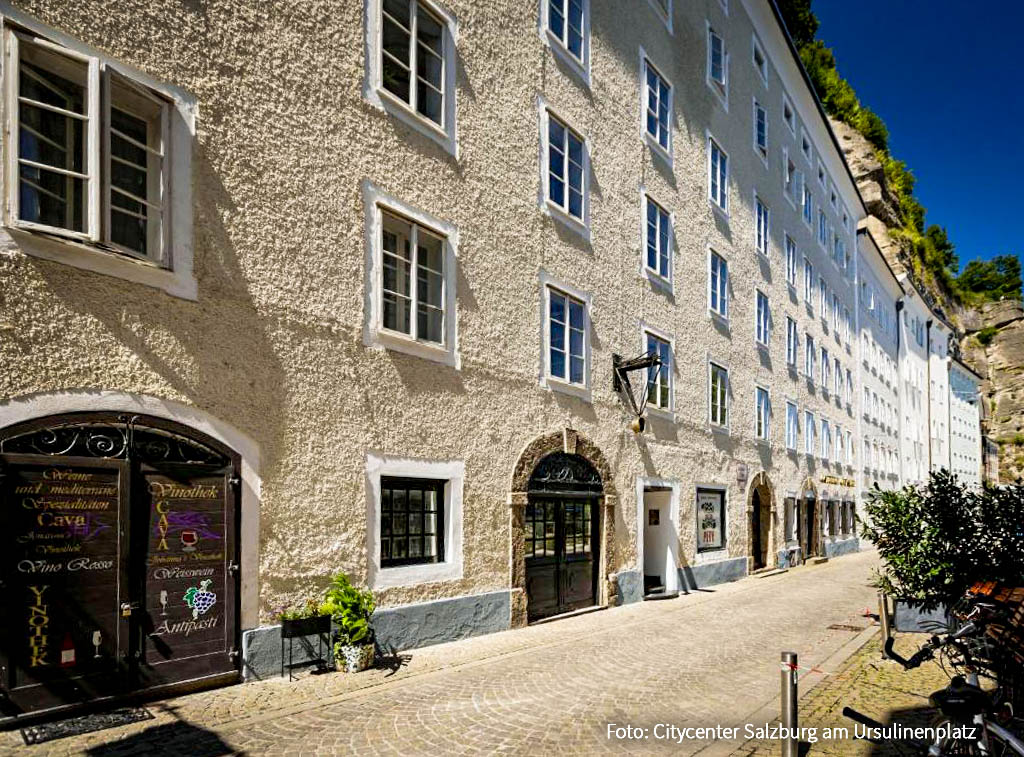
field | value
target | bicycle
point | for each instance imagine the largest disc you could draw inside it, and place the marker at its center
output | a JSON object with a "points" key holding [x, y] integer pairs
{"points": [[968, 724]]}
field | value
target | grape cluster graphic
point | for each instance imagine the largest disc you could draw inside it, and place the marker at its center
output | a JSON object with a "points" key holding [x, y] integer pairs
{"points": [[200, 598]]}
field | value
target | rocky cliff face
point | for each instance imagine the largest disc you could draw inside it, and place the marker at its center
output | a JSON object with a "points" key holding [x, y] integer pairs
{"points": [[991, 338]]}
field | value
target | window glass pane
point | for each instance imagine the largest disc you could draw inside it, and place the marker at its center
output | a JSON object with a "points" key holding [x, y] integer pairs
{"points": [[429, 288], [556, 22], [397, 267], [395, 37], [575, 28]]}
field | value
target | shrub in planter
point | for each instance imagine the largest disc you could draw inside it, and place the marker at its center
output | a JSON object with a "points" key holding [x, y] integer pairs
{"points": [[350, 608], [304, 621], [937, 540]]}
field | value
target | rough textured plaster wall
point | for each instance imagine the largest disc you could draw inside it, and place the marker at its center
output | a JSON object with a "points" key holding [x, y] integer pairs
{"points": [[274, 346]]}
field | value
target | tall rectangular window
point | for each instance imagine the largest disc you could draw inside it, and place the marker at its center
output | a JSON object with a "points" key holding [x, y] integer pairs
{"points": [[659, 239], [808, 203], [659, 101], [718, 175], [837, 375], [790, 261], [760, 130], [763, 318], [826, 440], [411, 521], [412, 290], [835, 314], [567, 23], [718, 65], [810, 432], [826, 370], [761, 227], [566, 168], [762, 412], [659, 380], [567, 326], [719, 285], [792, 341], [822, 228], [809, 357], [790, 183], [792, 415], [849, 386], [808, 280], [718, 395], [822, 297], [413, 56]]}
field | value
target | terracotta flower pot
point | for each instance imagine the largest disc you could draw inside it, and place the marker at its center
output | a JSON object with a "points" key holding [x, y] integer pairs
{"points": [[354, 657]]}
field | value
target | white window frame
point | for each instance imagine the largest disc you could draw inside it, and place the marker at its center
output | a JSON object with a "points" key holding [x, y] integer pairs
{"points": [[790, 179], [665, 14], [652, 140], [580, 67], [826, 440], [171, 270], [787, 104], [721, 89], [792, 341], [376, 95], [722, 312], [806, 148], [762, 70], [453, 472], [762, 319], [645, 330], [810, 433], [823, 297], [792, 425], [548, 206], [655, 276], [717, 425], [548, 381], [808, 282], [375, 202], [792, 254], [810, 357], [759, 150], [806, 204], [762, 227], [719, 203], [826, 370], [765, 411], [837, 377]]}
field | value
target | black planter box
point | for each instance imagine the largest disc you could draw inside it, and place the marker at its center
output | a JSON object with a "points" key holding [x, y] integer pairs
{"points": [[296, 627]]}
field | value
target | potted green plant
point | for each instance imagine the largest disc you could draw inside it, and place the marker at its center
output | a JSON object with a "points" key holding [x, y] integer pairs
{"points": [[306, 620], [350, 608]]}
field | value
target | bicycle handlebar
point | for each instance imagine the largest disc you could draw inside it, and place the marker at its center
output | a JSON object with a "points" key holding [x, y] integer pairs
{"points": [[927, 652]]}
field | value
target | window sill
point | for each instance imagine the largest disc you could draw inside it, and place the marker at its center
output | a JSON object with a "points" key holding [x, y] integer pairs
{"points": [[665, 153], [721, 92], [400, 109], [410, 575], [553, 383], [723, 320], [571, 222], [177, 283], [658, 281], [663, 413], [578, 67], [715, 428], [719, 210], [398, 342]]}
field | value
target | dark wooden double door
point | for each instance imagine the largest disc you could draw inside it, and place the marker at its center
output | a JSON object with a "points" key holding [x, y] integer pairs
{"points": [[561, 543], [118, 575]]}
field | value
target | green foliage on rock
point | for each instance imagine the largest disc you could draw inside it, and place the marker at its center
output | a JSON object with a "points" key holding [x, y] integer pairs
{"points": [[937, 540], [986, 335], [993, 279]]}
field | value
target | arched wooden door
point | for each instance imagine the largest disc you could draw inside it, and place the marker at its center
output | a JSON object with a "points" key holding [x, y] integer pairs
{"points": [[120, 559], [561, 537]]}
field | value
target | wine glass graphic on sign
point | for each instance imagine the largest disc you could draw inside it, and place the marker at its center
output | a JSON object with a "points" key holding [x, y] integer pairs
{"points": [[163, 601], [189, 539]]}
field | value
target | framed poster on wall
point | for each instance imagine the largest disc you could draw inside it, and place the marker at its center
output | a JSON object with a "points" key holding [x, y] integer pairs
{"points": [[710, 519]]}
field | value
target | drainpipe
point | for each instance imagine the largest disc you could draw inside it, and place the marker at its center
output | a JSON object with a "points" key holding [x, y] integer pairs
{"points": [[928, 386], [899, 388], [949, 410]]}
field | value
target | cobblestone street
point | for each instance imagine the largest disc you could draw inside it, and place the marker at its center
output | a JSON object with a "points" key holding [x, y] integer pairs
{"points": [[704, 659]]}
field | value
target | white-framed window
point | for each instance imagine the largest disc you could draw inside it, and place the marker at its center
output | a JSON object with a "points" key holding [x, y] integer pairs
{"points": [[792, 421], [565, 171], [760, 130], [810, 432], [664, 11], [849, 448], [791, 255], [763, 315], [835, 314], [807, 203], [805, 146], [718, 176], [567, 339], [659, 380], [846, 324], [792, 341], [808, 281], [849, 386], [822, 228], [410, 70], [718, 284], [826, 370], [410, 279], [718, 66], [821, 174], [788, 115], [810, 357], [429, 492], [657, 239], [837, 377], [94, 148], [566, 25], [822, 297], [760, 61], [761, 226], [762, 413], [718, 395], [791, 177], [826, 440], [657, 108]]}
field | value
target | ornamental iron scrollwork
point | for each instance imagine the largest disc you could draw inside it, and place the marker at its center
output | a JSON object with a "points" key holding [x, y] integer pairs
{"points": [[121, 440], [559, 471]]}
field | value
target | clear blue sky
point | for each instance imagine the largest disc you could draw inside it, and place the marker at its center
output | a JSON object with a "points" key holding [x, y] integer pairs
{"points": [[945, 76]]}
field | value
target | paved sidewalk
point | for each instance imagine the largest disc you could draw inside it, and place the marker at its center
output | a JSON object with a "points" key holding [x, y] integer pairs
{"points": [[708, 658]]}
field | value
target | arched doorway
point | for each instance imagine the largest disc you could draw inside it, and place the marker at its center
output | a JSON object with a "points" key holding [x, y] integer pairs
{"points": [[760, 515], [121, 559], [562, 520], [809, 522]]}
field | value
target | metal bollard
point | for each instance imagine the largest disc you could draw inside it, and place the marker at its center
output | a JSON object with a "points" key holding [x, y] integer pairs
{"points": [[790, 744], [883, 618]]}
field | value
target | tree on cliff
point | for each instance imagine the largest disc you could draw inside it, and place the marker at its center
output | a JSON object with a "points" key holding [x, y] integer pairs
{"points": [[993, 279]]}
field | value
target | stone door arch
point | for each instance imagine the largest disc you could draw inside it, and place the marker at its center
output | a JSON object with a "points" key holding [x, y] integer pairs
{"points": [[568, 442], [761, 522]]}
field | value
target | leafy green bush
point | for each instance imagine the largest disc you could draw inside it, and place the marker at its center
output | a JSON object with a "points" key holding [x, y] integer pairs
{"points": [[986, 335], [937, 540], [310, 608], [350, 608]]}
